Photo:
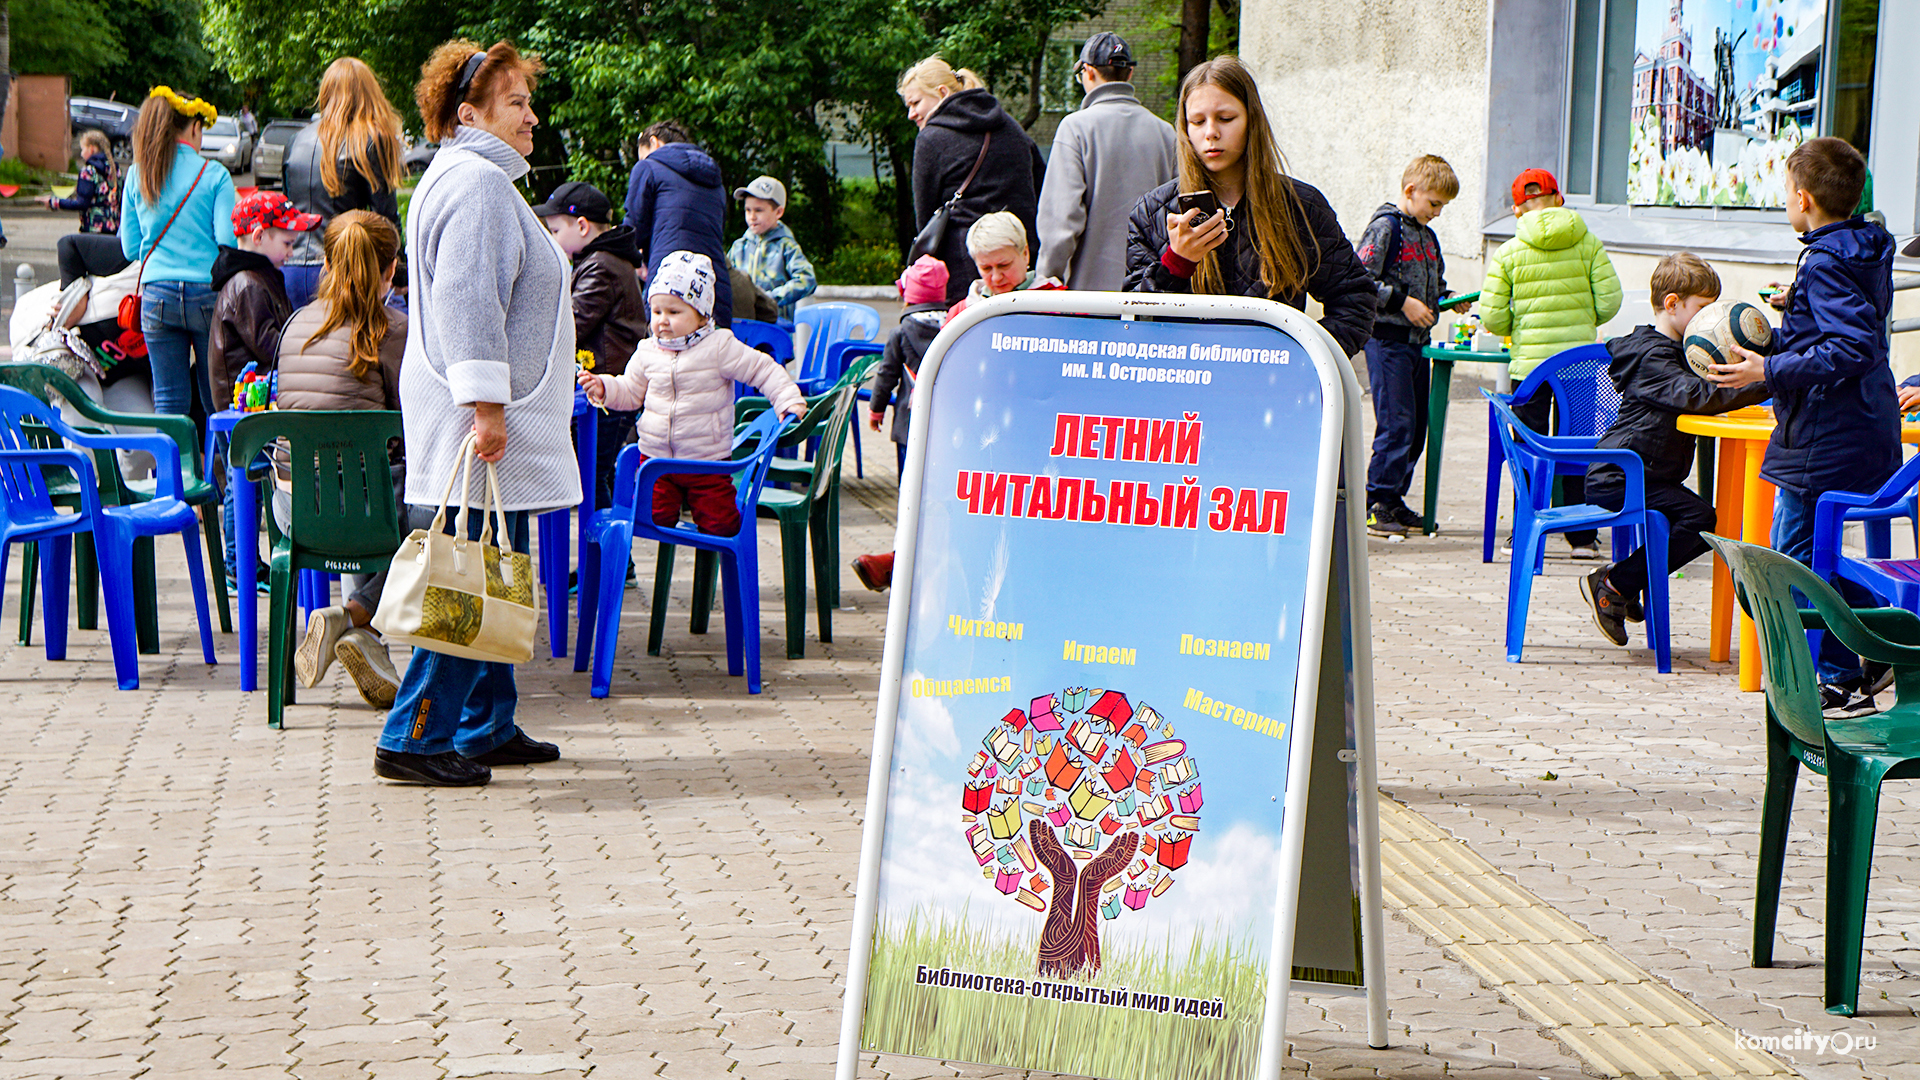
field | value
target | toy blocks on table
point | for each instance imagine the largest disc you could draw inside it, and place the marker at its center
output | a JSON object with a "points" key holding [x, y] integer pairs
{"points": [[1061, 770], [1007, 881], [1060, 815], [975, 799], [1043, 715], [1081, 834], [1136, 897], [1005, 823], [1086, 804], [1073, 699], [1120, 775], [1088, 741], [1113, 708], [1173, 853], [1191, 800], [1178, 771]]}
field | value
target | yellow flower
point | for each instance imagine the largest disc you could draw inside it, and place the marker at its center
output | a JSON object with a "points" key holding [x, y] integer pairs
{"points": [[186, 106], [584, 358]]}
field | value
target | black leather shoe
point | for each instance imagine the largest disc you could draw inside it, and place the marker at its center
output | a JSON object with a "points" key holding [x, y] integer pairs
{"points": [[519, 750], [435, 770]]}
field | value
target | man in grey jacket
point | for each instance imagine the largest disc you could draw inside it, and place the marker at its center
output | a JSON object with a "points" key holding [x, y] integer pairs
{"points": [[1104, 158]]}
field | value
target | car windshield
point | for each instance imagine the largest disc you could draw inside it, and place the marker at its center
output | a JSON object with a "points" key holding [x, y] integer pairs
{"points": [[223, 126]]}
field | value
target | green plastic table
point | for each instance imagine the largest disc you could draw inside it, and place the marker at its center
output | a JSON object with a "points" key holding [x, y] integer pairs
{"points": [[1440, 384]]}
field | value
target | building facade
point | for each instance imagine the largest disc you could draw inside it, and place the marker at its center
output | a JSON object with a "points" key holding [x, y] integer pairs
{"points": [[1497, 86]]}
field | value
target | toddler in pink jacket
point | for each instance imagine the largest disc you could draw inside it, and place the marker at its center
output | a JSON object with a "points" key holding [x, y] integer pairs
{"points": [[682, 380]]}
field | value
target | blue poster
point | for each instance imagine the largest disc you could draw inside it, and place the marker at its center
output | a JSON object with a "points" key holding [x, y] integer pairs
{"points": [[1085, 805]]}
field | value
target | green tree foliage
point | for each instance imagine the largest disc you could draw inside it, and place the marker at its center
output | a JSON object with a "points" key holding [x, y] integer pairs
{"points": [[117, 49], [763, 86], [63, 37]]}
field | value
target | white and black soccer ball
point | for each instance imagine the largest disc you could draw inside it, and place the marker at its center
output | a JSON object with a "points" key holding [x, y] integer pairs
{"points": [[1721, 325]]}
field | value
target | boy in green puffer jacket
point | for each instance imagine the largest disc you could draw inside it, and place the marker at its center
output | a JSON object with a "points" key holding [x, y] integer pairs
{"points": [[1549, 289]]}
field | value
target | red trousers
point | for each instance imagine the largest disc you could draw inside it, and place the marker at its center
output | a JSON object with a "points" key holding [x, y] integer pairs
{"points": [[711, 498]]}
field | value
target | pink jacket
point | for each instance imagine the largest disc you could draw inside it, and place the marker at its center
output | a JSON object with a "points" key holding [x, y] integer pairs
{"points": [[688, 395]]}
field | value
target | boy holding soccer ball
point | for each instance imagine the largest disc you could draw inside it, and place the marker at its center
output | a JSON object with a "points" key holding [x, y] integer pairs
{"points": [[1837, 414], [1656, 387]]}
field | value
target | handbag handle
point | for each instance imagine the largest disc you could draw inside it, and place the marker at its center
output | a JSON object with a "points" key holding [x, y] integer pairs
{"points": [[463, 470], [141, 277]]}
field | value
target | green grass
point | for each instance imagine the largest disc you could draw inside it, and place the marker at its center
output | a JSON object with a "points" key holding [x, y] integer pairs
{"points": [[1064, 1037]]}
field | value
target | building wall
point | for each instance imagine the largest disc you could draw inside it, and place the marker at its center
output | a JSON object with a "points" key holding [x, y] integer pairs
{"points": [[1358, 88]]}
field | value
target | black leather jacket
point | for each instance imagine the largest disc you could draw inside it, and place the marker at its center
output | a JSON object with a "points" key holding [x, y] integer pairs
{"points": [[1336, 279], [306, 190]]}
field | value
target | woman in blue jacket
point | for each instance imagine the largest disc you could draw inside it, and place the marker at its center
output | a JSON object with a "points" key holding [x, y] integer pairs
{"points": [[175, 214]]}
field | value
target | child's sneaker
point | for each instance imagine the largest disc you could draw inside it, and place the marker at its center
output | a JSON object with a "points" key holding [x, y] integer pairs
{"points": [[1609, 607], [1587, 551], [1382, 521], [1845, 701]]}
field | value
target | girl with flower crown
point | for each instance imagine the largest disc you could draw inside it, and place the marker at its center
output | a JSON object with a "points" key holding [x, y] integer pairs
{"points": [[175, 215]]}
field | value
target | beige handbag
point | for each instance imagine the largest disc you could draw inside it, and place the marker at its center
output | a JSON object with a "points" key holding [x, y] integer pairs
{"points": [[465, 598]]}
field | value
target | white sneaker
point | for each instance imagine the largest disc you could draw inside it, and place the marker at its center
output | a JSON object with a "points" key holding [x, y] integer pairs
{"points": [[315, 655], [1587, 552], [365, 657]]}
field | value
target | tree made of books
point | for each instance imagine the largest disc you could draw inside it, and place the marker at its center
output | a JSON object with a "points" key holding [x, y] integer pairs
{"points": [[1090, 798]]}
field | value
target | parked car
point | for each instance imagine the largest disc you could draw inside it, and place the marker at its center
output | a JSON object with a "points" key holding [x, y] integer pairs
{"points": [[419, 156], [269, 154], [112, 117], [225, 143]]}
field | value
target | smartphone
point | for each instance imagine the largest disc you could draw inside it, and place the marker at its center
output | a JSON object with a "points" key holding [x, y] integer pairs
{"points": [[1202, 201]]}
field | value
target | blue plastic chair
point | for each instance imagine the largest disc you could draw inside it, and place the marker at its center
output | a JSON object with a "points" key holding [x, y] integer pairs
{"points": [[770, 338], [1896, 581], [1589, 403], [611, 533], [829, 324], [1534, 518], [27, 515]]}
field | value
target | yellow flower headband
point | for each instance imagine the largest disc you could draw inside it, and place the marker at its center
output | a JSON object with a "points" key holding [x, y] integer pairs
{"points": [[186, 106]]}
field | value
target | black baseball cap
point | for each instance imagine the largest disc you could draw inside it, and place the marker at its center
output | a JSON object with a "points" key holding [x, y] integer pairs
{"points": [[578, 199], [1106, 49]]}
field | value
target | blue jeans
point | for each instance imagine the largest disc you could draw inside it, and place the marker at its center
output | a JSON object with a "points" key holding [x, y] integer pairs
{"points": [[1793, 537], [448, 702], [1397, 378], [175, 317]]}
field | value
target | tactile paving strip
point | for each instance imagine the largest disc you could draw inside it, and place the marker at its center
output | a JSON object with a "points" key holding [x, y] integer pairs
{"points": [[1619, 1019]]}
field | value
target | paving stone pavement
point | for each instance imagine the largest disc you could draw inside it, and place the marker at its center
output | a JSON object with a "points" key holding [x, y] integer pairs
{"points": [[184, 891]]}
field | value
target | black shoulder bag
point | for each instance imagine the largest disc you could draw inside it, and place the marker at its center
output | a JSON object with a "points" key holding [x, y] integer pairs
{"points": [[935, 230]]}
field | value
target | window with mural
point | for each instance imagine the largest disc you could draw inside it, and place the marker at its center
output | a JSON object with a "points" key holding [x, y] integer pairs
{"points": [[1699, 102]]}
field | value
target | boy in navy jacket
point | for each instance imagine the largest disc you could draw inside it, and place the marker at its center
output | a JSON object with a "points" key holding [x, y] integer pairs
{"points": [[1836, 411], [1656, 388]]}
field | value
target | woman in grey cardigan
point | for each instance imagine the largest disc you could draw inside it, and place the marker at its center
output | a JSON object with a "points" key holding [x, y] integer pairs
{"points": [[489, 353]]}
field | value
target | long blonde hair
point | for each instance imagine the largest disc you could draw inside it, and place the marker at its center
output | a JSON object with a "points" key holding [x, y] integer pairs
{"points": [[355, 114], [1273, 209], [155, 134], [934, 73], [359, 248]]}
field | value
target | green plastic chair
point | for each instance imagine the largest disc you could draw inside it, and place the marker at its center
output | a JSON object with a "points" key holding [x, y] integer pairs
{"points": [[811, 510], [1855, 756], [344, 518], [197, 489]]}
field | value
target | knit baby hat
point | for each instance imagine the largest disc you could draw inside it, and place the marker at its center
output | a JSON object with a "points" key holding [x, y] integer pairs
{"points": [[925, 282], [687, 275]]}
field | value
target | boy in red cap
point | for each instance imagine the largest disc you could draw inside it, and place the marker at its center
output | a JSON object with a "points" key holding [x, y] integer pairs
{"points": [[1549, 289], [252, 305]]}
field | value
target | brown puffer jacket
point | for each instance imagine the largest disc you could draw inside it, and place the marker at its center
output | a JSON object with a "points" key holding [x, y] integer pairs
{"points": [[316, 376]]}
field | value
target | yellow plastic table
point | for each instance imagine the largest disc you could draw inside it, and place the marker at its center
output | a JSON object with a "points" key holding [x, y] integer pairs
{"points": [[1439, 385], [1743, 508]]}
